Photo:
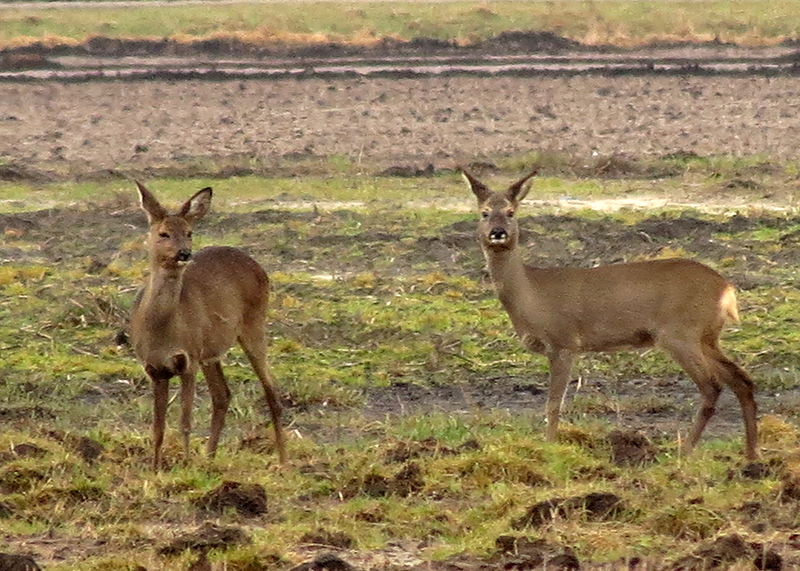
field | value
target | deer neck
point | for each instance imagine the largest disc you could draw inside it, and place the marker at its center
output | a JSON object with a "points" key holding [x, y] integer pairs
{"points": [[511, 282], [506, 269], [159, 304], [519, 297]]}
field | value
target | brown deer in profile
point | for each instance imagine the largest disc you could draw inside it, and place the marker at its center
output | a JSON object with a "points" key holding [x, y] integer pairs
{"points": [[678, 305], [191, 311]]}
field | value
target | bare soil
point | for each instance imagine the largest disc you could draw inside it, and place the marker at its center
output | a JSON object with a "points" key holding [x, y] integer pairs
{"points": [[142, 124]]}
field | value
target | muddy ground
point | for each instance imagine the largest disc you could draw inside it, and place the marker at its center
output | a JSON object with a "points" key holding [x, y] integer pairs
{"points": [[52, 129]]}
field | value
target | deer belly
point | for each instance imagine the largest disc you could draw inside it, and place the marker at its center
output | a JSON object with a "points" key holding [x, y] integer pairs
{"points": [[533, 343], [613, 341]]}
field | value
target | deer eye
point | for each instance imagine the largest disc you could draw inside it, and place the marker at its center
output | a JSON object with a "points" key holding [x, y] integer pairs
{"points": [[163, 235], [189, 234], [484, 214], [510, 214]]}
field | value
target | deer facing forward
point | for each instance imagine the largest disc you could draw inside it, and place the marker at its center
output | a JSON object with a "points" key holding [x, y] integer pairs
{"points": [[678, 305], [191, 311]]}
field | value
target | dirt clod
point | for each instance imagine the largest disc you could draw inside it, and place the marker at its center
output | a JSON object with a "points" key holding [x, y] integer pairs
{"points": [[790, 487], [17, 563], [325, 562], [247, 499], [201, 563], [509, 544], [372, 485], [208, 536], [521, 553], [405, 451], [565, 561], [630, 448], [407, 481], [28, 450], [596, 506], [766, 559], [756, 471], [6, 510], [90, 450], [16, 479], [719, 554], [337, 539]]}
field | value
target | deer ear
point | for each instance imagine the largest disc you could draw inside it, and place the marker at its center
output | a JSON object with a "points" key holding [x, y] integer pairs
{"points": [[517, 191], [197, 206], [150, 204], [480, 190]]}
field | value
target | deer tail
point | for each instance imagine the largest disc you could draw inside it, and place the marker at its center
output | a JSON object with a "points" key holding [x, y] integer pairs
{"points": [[728, 305]]}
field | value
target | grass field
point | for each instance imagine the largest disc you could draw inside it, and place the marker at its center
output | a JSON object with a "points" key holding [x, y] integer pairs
{"points": [[362, 302], [628, 23]]}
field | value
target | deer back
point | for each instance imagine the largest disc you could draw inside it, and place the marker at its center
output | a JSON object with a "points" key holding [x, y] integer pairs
{"points": [[621, 305]]}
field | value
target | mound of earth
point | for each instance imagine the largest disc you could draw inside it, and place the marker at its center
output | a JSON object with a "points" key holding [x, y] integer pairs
{"points": [[512, 42]]}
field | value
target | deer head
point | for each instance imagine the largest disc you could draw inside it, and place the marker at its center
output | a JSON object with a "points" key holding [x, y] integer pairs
{"points": [[171, 233], [498, 229]]}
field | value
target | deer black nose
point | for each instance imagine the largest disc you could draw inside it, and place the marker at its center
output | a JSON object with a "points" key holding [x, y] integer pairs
{"points": [[183, 256], [498, 235]]}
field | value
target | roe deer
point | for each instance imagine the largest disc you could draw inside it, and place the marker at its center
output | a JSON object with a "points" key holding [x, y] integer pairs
{"points": [[678, 305], [191, 311]]}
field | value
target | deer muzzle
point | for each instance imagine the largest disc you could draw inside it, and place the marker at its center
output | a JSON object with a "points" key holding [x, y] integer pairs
{"points": [[183, 256], [498, 236]]}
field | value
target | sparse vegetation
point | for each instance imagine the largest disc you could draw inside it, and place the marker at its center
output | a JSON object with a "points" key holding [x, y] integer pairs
{"points": [[373, 302]]}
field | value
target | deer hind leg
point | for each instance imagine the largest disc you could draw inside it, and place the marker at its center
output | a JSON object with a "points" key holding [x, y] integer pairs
{"points": [[689, 355], [733, 376], [255, 347], [560, 366], [220, 400]]}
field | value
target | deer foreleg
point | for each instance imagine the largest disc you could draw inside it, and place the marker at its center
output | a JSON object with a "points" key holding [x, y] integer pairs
{"points": [[160, 397], [187, 401]]}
